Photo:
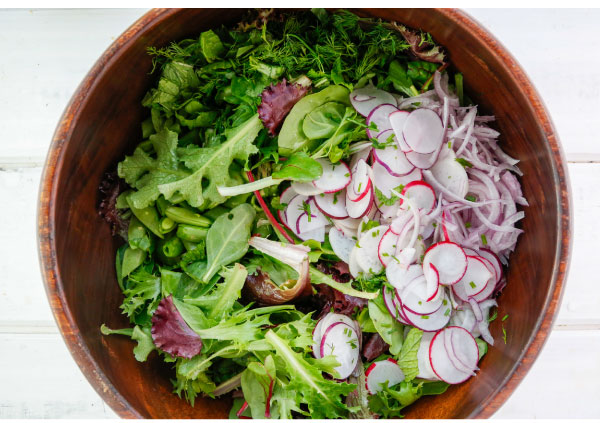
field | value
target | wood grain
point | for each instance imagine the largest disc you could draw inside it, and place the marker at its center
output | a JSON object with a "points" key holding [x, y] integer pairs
{"points": [[91, 133]]}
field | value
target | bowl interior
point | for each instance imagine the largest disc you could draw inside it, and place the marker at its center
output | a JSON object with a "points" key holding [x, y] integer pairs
{"points": [[104, 125]]}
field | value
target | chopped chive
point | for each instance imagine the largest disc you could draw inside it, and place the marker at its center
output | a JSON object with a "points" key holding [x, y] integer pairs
{"points": [[483, 239]]}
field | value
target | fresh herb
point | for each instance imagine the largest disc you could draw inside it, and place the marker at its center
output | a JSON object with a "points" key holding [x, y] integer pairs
{"points": [[464, 162]]}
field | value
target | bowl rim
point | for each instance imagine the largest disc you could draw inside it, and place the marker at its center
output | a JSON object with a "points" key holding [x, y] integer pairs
{"points": [[48, 195]]}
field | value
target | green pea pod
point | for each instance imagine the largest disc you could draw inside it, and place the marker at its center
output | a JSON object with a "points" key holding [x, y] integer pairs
{"points": [[168, 250], [148, 216], [132, 259], [181, 215], [215, 212], [162, 204], [167, 225], [191, 233]]}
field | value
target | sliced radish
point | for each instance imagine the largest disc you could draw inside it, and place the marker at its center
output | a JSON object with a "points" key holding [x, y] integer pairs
{"points": [[365, 99], [341, 341], [358, 209], [389, 299], [305, 188], [384, 181], [342, 245], [423, 131], [455, 358], [470, 251], [361, 183], [422, 161], [353, 266], [465, 347], [348, 226], [296, 206], [391, 157], [421, 194], [430, 322], [367, 256], [379, 117], [451, 175], [318, 234], [335, 177], [449, 260], [317, 335], [332, 204], [475, 279], [397, 120], [285, 197], [361, 155], [432, 277], [308, 222], [332, 318], [387, 247], [399, 277], [380, 373], [425, 370], [414, 297], [403, 219], [493, 258]]}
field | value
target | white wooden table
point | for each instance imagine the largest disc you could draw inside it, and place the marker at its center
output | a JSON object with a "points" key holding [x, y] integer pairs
{"points": [[45, 54]]}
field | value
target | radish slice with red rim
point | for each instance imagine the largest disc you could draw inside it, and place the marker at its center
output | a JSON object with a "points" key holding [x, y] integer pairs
{"points": [[380, 119], [432, 277], [360, 181], [385, 372], [452, 175], [475, 280], [296, 206], [430, 322], [341, 341], [308, 222], [391, 157], [493, 258], [387, 247], [397, 120], [365, 99], [423, 131], [317, 234], [425, 370], [421, 194], [399, 277], [455, 358], [389, 299], [421, 161], [414, 298], [335, 177], [332, 318], [353, 266], [359, 208], [367, 256], [440, 361], [384, 181], [332, 205], [305, 188], [449, 259], [342, 245]]}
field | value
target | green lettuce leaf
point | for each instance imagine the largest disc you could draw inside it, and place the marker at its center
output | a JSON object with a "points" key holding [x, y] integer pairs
{"points": [[390, 330], [142, 335], [210, 165], [408, 360]]}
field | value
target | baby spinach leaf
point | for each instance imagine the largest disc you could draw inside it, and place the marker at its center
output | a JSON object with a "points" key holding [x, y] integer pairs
{"points": [[227, 238], [299, 167], [291, 137], [323, 121]]}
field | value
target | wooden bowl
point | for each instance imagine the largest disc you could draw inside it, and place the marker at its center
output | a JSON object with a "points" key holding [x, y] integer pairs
{"points": [[102, 122]]}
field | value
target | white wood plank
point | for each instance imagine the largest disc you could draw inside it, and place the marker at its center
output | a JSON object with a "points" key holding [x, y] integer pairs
{"points": [[41, 380], [45, 54], [553, 47], [22, 298], [563, 382]]}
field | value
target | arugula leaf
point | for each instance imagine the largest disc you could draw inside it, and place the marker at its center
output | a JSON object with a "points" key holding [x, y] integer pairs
{"points": [[408, 360], [227, 238], [322, 396], [211, 165], [388, 328]]}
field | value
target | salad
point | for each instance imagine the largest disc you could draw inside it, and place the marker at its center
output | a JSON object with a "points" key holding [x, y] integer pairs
{"points": [[316, 220]]}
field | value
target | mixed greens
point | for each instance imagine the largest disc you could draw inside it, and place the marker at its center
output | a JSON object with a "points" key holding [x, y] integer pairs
{"points": [[216, 277]]}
